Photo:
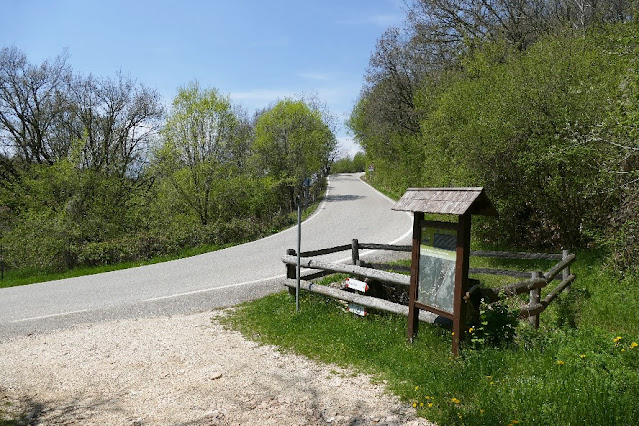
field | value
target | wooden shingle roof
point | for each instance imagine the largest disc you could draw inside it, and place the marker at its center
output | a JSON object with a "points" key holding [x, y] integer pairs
{"points": [[456, 201]]}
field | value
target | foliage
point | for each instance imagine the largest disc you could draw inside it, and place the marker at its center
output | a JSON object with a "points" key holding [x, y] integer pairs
{"points": [[350, 165], [495, 327], [292, 143], [197, 153], [86, 179], [548, 126]]}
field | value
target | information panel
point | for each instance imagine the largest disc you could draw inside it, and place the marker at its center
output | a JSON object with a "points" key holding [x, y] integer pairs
{"points": [[437, 258]]}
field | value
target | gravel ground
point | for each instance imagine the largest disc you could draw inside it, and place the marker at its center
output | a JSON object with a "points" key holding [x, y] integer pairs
{"points": [[181, 370]]}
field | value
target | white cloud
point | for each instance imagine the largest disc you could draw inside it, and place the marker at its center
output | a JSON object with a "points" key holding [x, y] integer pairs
{"points": [[347, 146]]}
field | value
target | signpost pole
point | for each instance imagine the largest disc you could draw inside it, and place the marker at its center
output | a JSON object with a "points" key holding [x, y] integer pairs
{"points": [[299, 244]]}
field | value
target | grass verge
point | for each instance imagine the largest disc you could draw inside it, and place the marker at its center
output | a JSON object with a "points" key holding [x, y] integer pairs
{"points": [[588, 374]]}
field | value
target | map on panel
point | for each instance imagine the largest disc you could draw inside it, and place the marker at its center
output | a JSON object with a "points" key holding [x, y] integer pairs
{"points": [[437, 257]]}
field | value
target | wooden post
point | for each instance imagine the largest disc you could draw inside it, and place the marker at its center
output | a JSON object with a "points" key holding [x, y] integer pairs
{"points": [[413, 311], [355, 252], [565, 273], [534, 299], [298, 271], [461, 281], [291, 271]]}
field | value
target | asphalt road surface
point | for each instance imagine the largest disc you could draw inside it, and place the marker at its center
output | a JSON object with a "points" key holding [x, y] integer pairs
{"points": [[351, 209]]}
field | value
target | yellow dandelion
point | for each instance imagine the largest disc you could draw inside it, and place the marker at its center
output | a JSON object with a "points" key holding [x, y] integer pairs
{"points": [[471, 329], [623, 350], [416, 387], [421, 404], [560, 362], [634, 345], [616, 339], [481, 411], [427, 397], [453, 333], [430, 405], [492, 383], [582, 356], [455, 400], [414, 404]]}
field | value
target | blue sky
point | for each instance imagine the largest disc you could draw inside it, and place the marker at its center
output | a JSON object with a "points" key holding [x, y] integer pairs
{"points": [[255, 51]]}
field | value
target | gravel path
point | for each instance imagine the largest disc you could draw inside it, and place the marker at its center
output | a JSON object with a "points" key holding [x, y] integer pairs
{"points": [[181, 370]]}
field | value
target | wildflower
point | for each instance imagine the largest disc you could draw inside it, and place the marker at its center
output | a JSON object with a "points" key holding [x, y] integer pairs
{"points": [[582, 356], [453, 333], [634, 345], [471, 329], [492, 383], [414, 404], [430, 405], [560, 362], [515, 422], [623, 350], [427, 397], [455, 400], [416, 387], [481, 411], [616, 339], [421, 404]]}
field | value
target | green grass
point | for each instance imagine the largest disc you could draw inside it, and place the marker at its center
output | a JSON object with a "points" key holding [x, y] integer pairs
{"points": [[557, 375]]}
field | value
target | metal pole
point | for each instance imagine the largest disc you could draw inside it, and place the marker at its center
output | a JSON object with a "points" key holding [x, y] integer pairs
{"points": [[299, 243]]}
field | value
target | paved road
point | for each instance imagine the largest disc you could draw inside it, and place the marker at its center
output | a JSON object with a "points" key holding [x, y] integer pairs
{"points": [[352, 209]]}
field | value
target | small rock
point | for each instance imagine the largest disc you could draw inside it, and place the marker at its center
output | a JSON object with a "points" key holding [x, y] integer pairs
{"points": [[216, 375]]}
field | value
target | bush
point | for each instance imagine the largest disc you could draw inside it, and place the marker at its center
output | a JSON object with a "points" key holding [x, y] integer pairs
{"points": [[625, 231]]}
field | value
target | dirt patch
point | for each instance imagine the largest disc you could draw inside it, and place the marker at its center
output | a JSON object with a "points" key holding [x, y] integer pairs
{"points": [[182, 370]]}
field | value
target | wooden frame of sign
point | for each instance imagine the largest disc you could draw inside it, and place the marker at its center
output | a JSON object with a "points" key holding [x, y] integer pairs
{"points": [[444, 275]]}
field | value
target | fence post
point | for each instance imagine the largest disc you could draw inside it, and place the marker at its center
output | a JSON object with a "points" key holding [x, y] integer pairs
{"points": [[355, 252], [565, 273], [291, 270], [534, 299]]}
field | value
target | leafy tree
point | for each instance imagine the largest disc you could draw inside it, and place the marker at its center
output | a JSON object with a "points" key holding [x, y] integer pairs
{"points": [[292, 143], [199, 148], [544, 111]]}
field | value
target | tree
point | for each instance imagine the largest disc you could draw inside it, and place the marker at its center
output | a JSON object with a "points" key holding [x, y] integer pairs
{"points": [[113, 122], [199, 147], [32, 104], [292, 143]]}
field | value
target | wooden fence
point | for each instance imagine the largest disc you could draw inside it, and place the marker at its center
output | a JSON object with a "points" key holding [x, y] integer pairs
{"points": [[391, 274]]}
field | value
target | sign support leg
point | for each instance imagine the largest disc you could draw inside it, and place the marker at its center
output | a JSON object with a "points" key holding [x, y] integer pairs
{"points": [[413, 311], [299, 243]]}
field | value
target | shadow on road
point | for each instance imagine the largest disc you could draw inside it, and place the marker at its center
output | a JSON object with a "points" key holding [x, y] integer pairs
{"points": [[336, 198]]}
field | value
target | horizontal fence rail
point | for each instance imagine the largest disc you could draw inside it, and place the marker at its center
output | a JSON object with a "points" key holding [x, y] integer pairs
{"points": [[533, 285]]}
